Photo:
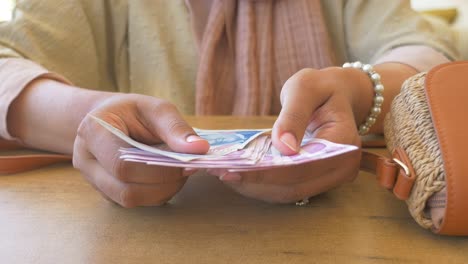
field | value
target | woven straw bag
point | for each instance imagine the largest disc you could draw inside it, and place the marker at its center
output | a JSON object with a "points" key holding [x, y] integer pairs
{"points": [[426, 131], [409, 126]]}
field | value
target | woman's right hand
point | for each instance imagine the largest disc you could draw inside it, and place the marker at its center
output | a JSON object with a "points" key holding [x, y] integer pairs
{"points": [[145, 119]]}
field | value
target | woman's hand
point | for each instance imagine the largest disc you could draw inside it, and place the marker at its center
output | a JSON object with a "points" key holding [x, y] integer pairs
{"points": [[146, 119], [41, 121], [330, 102]]}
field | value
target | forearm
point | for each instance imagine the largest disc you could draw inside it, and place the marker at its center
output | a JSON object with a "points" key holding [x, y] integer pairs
{"points": [[47, 113]]}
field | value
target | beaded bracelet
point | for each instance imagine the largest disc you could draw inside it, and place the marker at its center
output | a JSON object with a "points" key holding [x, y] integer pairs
{"points": [[378, 97]]}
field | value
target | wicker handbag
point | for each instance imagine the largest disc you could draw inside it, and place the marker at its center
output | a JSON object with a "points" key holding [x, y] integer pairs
{"points": [[426, 131]]}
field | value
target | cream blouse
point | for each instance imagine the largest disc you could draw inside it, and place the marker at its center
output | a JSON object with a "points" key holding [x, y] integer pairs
{"points": [[147, 47]]}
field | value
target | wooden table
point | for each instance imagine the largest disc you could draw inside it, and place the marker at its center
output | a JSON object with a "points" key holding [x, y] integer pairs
{"points": [[53, 215]]}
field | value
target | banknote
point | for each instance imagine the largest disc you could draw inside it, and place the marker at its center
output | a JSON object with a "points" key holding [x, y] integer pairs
{"points": [[222, 142], [236, 150], [316, 149]]}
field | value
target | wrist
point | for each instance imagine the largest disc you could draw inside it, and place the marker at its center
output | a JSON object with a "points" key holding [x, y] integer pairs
{"points": [[360, 89]]}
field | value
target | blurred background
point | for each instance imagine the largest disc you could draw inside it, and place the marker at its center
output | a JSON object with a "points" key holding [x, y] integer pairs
{"points": [[454, 12], [6, 6]]}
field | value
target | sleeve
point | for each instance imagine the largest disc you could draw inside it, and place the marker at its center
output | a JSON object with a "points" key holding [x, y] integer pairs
{"points": [[374, 28], [15, 74], [462, 33], [44, 37], [421, 58]]}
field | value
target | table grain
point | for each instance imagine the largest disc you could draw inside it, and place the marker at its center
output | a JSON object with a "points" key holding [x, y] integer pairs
{"points": [[52, 215]]}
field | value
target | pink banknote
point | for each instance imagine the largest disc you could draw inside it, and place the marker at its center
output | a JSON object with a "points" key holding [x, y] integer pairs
{"points": [[237, 150]]}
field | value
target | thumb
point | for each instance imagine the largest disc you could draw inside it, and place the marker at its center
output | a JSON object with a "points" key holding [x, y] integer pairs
{"points": [[300, 98], [165, 122]]}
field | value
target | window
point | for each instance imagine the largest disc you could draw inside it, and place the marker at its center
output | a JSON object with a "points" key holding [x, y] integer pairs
{"points": [[6, 7]]}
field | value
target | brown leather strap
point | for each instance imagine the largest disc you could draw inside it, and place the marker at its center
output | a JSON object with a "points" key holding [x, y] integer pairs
{"points": [[447, 94], [9, 145], [394, 174], [373, 141], [20, 163], [369, 161]]}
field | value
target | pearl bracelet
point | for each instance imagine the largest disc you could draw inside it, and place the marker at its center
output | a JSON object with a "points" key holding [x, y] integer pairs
{"points": [[378, 97]]}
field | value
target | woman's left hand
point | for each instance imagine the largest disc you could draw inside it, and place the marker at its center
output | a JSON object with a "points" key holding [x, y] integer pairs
{"points": [[327, 102]]}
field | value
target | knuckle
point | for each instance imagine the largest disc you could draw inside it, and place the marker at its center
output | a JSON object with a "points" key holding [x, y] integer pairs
{"points": [[81, 131], [305, 73], [77, 159], [119, 167], [83, 128], [163, 106], [128, 197], [303, 77], [298, 81], [76, 162], [321, 81]]}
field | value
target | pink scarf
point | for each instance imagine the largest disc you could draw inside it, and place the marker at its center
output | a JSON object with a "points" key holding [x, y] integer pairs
{"points": [[249, 48]]}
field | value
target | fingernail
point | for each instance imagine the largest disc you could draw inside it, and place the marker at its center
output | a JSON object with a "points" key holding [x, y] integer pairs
{"points": [[289, 140], [231, 177], [193, 138], [189, 171]]}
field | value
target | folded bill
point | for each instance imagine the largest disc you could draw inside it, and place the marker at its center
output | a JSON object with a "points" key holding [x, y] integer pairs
{"points": [[222, 142], [237, 150]]}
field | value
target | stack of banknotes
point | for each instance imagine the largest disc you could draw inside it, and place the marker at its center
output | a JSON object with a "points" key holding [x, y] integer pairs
{"points": [[239, 150]]}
